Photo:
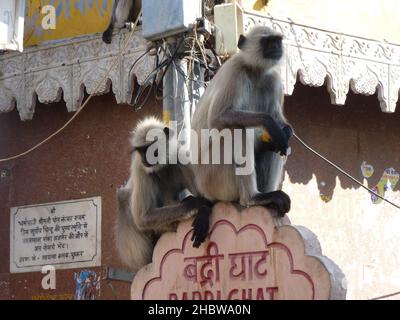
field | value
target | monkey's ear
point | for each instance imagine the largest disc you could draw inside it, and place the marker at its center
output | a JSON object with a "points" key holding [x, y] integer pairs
{"points": [[241, 42]]}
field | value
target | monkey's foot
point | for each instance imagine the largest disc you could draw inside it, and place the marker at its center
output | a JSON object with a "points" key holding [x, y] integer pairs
{"points": [[201, 225], [277, 200], [195, 202], [107, 36]]}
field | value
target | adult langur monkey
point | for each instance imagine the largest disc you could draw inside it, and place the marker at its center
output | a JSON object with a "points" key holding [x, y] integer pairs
{"points": [[246, 92], [148, 203], [122, 11]]}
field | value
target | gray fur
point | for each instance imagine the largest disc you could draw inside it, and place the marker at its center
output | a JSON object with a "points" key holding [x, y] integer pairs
{"points": [[148, 204], [250, 84]]}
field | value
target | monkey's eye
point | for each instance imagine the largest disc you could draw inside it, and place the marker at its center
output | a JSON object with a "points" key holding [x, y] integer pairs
{"points": [[275, 38], [140, 149], [271, 42], [272, 47]]}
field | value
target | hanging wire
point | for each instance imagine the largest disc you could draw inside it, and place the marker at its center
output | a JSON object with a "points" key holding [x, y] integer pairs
{"points": [[138, 59], [152, 80], [386, 296], [343, 171], [105, 77], [318, 154]]}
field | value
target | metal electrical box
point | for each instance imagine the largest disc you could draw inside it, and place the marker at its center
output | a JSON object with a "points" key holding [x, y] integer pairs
{"points": [[229, 25], [163, 18]]}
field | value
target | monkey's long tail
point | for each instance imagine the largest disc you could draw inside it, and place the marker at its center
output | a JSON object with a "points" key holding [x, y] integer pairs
{"points": [[134, 247], [343, 171]]}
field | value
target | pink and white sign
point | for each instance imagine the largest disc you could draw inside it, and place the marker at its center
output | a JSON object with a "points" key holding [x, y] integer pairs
{"points": [[246, 257]]}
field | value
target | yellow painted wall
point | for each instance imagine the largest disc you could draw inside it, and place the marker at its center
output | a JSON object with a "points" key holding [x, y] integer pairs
{"points": [[377, 19], [74, 18]]}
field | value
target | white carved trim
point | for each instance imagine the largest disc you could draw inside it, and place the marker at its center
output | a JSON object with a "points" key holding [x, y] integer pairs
{"points": [[345, 61], [66, 68]]}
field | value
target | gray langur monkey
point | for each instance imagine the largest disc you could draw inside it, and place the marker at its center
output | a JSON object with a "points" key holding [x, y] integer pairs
{"points": [[246, 92], [148, 204], [122, 11]]}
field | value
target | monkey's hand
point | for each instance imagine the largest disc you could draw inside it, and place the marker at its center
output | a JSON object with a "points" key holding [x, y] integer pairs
{"points": [[201, 225], [192, 202], [277, 200], [288, 130], [279, 137]]}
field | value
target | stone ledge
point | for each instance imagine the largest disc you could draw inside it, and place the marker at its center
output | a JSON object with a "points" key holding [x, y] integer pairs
{"points": [[345, 61]]}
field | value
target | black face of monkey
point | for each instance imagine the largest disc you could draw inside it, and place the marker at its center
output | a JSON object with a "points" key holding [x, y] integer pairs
{"points": [[272, 47], [142, 150]]}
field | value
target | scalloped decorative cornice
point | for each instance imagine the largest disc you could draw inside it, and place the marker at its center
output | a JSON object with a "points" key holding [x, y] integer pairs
{"points": [[66, 68], [346, 61]]}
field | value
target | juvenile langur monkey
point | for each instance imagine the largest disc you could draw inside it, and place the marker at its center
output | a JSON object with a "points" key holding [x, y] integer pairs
{"points": [[246, 92], [148, 203], [123, 11]]}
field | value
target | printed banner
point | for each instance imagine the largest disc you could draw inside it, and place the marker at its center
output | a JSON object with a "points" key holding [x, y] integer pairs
{"points": [[72, 18]]}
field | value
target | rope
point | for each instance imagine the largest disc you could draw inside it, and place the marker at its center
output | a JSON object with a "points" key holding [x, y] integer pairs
{"points": [[113, 64]]}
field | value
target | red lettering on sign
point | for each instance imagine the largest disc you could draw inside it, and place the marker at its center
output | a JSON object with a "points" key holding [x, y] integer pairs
{"points": [[215, 274]]}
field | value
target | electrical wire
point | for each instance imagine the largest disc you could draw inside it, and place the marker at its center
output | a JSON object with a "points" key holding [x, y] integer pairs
{"points": [[138, 59], [386, 296], [105, 77], [199, 82], [343, 171], [196, 53], [315, 152], [172, 57], [151, 77], [330, 162]]}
